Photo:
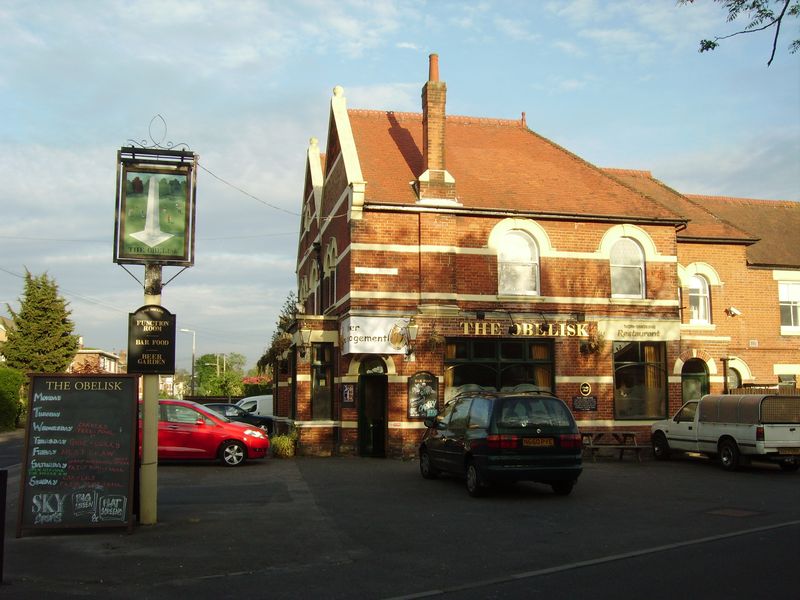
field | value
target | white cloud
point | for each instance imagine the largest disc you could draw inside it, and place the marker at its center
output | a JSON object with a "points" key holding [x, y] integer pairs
{"points": [[763, 166], [401, 97], [515, 29]]}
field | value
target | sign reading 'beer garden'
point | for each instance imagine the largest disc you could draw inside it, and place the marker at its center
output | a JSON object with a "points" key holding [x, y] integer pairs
{"points": [[151, 341]]}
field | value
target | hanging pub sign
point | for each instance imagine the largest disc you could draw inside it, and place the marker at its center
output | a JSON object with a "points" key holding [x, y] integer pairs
{"points": [[155, 207], [151, 341]]}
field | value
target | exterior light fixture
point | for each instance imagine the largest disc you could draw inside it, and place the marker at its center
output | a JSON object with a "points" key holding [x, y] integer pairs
{"points": [[305, 338], [412, 329]]}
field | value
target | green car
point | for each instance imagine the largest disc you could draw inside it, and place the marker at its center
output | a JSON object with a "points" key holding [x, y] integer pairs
{"points": [[489, 437]]}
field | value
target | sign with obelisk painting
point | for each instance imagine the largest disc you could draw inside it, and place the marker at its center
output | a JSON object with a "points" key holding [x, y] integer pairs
{"points": [[155, 210]]}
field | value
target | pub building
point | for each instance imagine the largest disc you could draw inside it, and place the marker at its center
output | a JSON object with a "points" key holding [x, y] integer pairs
{"points": [[440, 252]]}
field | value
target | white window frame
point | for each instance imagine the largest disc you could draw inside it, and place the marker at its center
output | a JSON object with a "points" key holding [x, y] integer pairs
{"points": [[524, 267], [789, 296], [638, 267], [699, 300]]}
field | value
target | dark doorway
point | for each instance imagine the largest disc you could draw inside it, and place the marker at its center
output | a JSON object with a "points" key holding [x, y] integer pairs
{"points": [[372, 423], [694, 379]]}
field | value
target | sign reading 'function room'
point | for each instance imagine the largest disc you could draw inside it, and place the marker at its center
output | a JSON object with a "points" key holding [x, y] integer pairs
{"points": [[151, 340]]}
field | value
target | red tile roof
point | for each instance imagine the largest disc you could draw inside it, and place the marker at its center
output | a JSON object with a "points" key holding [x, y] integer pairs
{"points": [[776, 223], [497, 164], [703, 225]]}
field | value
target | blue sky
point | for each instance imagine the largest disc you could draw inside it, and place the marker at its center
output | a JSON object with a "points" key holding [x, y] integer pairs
{"points": [[246, 84]]}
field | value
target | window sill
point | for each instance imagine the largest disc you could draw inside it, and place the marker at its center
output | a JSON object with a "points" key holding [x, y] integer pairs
{"points": [[788, 330], [698, 326]]}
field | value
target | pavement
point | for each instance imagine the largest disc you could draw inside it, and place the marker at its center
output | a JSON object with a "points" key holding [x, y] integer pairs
{"points": [[373, 528]]}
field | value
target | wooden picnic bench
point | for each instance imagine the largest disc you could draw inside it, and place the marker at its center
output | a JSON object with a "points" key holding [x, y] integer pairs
{"points": [[593, 441]]}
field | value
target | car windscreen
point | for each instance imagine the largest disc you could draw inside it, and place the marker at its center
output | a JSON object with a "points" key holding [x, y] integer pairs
{"points": [[219, 413], [526, 411]]}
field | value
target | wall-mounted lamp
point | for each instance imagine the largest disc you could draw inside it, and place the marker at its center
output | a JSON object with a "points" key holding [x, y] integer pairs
{"points": [[305, 338], [412, 329], [733, 311]]}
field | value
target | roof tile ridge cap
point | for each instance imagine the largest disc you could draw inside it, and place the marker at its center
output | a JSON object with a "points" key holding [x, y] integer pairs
{"points": [[602, 173], [694, 199], [741, 200], [637, 172], [613, 176], [371, 112], [466, 119]]}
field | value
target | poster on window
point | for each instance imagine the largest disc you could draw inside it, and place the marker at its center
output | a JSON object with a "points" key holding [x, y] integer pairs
{"points": [[423, 395]]}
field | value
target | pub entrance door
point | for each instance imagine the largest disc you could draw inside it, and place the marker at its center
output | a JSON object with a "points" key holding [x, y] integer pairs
{"points": [[372, 413]]}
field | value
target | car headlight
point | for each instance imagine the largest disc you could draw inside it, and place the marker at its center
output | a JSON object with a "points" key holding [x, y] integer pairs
{"points": [[256, 433]]}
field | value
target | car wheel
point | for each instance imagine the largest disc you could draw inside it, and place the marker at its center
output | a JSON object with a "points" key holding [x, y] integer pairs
{"points": [[562, 488], [426, 469], [232, 454], [789, 466], [475, 483], [660, 444], [728, 455]]}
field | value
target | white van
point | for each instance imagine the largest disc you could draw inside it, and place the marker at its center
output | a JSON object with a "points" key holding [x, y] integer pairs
{"points": [[258, 405], [734, 428]]}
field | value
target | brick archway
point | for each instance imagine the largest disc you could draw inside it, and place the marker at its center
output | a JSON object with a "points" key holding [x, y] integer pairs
{"points": [[688, 355]]}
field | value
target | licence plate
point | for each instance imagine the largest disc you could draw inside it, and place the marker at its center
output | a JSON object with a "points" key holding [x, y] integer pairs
{"points": [[538, 442], [788, 450]]}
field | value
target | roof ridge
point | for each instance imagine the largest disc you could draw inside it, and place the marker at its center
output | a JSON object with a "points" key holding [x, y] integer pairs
{"points": [[788, 203], [637, 172], [464, 119]]}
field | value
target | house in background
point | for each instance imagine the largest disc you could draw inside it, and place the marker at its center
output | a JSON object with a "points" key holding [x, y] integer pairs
{"points": [[93, 360], [438, 253]]}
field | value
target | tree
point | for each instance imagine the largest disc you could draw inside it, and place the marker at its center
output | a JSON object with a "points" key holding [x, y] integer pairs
{"points": [[281, 341], [11, 382], [762, 15], [42, 338], [219, 374]]}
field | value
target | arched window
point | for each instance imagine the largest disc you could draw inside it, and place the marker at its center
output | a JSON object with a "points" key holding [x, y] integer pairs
{"points": [[699, 300], [329, 276], [734, 379], [627, 269], [518, 265]]}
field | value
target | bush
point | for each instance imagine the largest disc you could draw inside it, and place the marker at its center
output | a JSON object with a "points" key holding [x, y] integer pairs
{"points": [[11, 406], [283, 445]]}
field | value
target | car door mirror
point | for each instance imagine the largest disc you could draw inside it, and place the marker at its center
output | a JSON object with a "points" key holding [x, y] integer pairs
{"points": [[200, 422]]}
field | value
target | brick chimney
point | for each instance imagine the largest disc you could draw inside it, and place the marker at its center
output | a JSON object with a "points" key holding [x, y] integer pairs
{"points": [[435, 184]]}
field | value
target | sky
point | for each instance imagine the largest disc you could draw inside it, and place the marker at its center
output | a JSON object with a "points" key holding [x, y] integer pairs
{"points": [[245, 84]]}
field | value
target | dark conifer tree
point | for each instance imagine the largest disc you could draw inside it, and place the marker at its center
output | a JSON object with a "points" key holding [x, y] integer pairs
{"points": [[42, 338]]}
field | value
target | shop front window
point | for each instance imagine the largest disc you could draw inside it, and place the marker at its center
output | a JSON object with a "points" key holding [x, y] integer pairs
{"points": [[321, 381], [498, 365], [640, 380]]}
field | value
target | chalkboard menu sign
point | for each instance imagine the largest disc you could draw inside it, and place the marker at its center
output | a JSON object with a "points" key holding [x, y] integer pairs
{"points": [[80, 449]]}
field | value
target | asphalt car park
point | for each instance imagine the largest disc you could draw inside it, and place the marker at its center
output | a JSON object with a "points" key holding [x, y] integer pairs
{"points": [[373, 528]]}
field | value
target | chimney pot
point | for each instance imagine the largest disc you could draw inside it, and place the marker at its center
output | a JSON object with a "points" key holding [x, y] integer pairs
{"points": [[433, 67]]}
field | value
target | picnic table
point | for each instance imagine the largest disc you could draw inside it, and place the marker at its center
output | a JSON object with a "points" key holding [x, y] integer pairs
{"points": [[593, 441]]}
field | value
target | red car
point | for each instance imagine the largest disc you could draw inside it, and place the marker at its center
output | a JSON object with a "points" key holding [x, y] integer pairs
{"points": [[187, 430]]}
